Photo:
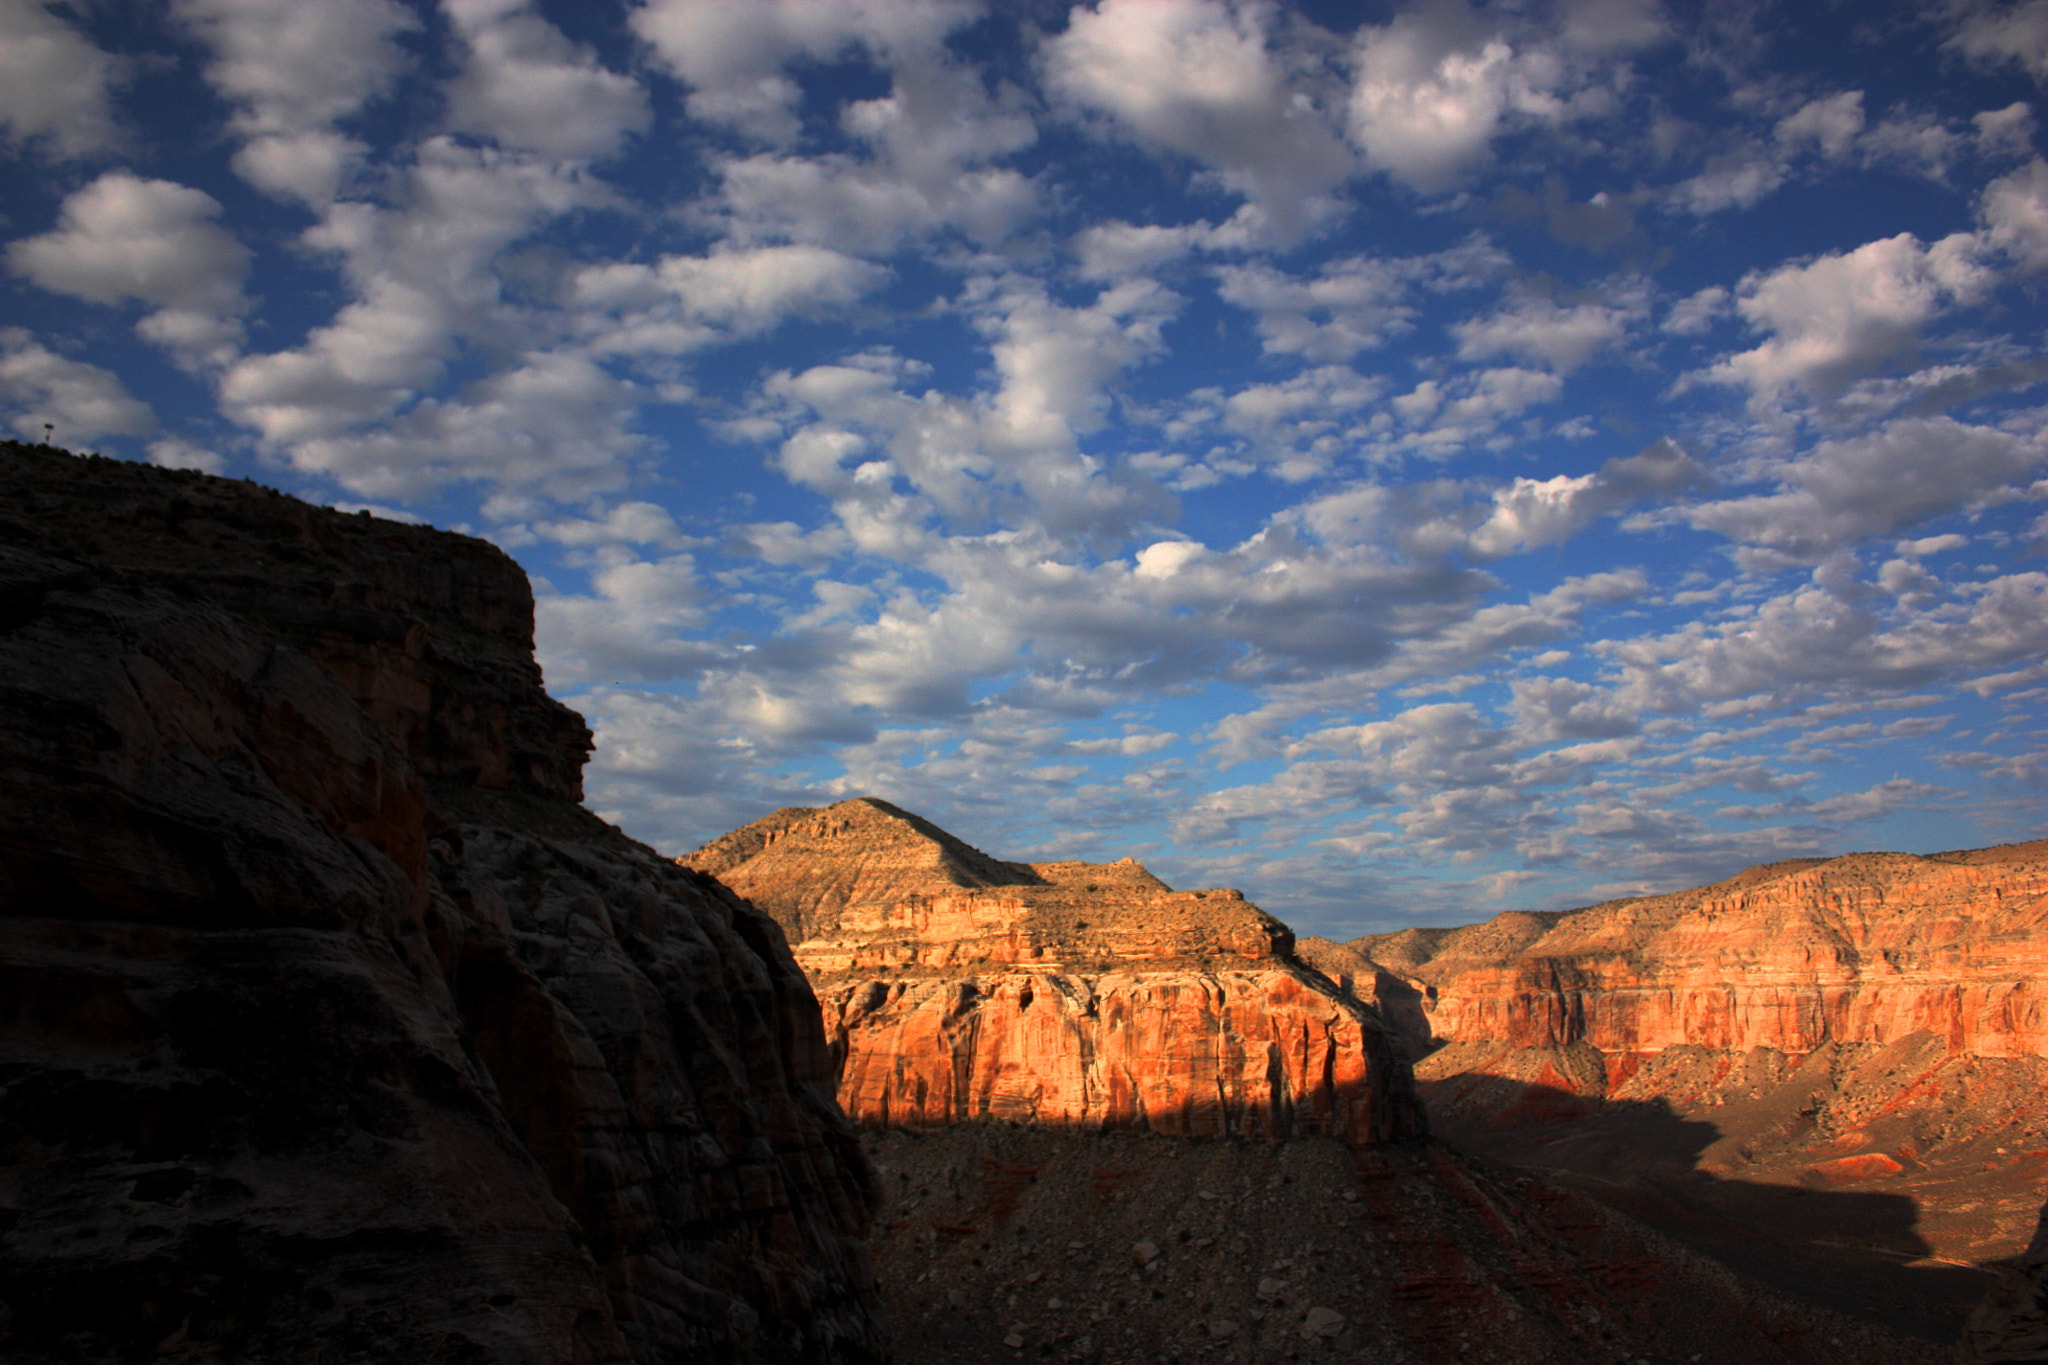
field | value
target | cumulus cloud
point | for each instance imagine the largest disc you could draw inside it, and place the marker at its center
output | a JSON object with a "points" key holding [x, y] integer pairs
{"points": [[123, 237], [1827, 635], [1211, 82], [531, 89], [1532, 512], [1433, 89], [2015, 213], [1559, 337], [555, 422], [54, 84], [291, 71], [1829, 124], [632, 627], [420, 274], [1351, 304], [1993, 33], [1849, 490], [733, 56], [683, 303], [1837, 317], [80, 402]]}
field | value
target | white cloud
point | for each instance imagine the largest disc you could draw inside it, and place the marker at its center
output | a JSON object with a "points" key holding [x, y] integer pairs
{"points": [[176, 453], [733, 55], [80, 402], [553, 422], [1831, 124], [684, 303], [1208, 81], [1540, 331], [2015, 213], [1433, 89], [1549, 709], [421, 275], [1852, 489], [53, 82], [1349, 306], [1827, 636], [1736, 179], [1696, 313], [1118, 250], [1995, 33], [2005, 132], [1354, 303], [123, 237], [633, 627], [1016, 448], [1838, 317], [292, 70], [531, 89]]}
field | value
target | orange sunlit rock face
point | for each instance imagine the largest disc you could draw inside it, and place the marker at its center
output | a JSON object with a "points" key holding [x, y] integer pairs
{"points": [[954, 986], [1867, 948]]}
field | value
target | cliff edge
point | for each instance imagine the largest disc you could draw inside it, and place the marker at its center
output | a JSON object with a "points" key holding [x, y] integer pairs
{"points": [[957, 986], [331, 1025]]}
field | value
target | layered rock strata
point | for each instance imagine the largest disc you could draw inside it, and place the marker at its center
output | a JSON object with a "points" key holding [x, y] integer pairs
{"points": [[1866, 948], [1869, 1032], [331, 1026], [956, 986]]}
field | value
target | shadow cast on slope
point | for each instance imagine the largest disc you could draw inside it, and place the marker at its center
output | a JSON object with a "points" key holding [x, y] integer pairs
{"points": [[1855, 1251]]}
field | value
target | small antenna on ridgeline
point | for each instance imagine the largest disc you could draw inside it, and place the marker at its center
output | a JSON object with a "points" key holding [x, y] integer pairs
{"points": [[48, 429]]}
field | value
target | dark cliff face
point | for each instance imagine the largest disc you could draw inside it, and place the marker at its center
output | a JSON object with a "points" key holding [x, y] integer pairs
{"points": [[331, 1027]]}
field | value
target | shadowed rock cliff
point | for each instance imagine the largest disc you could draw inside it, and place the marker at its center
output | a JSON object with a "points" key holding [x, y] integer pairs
{"points": [[331, 1026], [955, 986]]}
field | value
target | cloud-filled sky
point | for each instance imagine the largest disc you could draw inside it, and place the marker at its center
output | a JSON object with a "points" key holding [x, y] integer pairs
{"points": [[1406, 461]]}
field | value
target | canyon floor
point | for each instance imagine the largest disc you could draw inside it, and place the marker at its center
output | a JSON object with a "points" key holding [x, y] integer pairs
{"points": [[1011, 1242], [1884, 1182]]}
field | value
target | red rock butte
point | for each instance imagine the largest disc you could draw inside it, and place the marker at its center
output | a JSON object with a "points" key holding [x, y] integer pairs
{"points": [[955, 986]]}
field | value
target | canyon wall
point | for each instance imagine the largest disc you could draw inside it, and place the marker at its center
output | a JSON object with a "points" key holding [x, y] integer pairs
{"points": [[1875, 1023], [1866, 948], [957, 986], [331, 1025]]}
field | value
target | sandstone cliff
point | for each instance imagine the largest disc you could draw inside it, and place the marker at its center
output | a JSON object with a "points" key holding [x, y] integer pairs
{"points": [[331, 1026], [958, 986], [1861, 949], [1874, 1025]]}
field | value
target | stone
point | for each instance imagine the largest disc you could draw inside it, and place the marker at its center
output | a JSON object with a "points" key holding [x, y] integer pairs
{"points": [[334, 1026], [1145, 1253], [956, 986], [1321, 1322], [1270, 1288], [1863, 948], [1222, 1327]]}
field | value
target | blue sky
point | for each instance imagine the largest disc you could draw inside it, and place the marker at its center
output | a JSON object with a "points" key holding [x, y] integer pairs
{"points": [[1405, 461]]}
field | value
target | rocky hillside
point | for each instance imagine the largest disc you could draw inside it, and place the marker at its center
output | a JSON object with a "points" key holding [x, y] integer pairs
{"points": [[1874, 1025], [331, 1026], [1030, 1045], [957, 986]]}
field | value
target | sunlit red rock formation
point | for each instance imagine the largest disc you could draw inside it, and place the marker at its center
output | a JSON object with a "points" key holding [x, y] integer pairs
{"points": [[1874, 1025], [1866, 948], [1782, 963], [331, 1026], [956, 986]]}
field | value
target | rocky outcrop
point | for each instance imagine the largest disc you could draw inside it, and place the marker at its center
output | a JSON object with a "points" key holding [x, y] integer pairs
{"points": [[1866, 948], [955, 986], [331, 1026], [2011, 1326], [1868, 1032]]}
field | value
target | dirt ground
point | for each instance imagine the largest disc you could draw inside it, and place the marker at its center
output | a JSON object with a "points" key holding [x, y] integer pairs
{"points": [[1017, 1243]]}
